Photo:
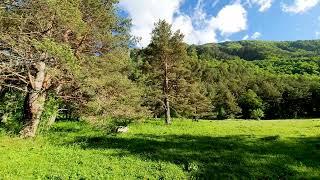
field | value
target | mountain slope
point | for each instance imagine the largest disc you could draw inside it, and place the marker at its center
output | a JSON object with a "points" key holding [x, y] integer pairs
{"points": [[259, 50]]}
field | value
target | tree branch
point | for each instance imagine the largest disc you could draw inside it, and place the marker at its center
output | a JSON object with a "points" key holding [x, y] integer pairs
{"points": [[14, 87]]}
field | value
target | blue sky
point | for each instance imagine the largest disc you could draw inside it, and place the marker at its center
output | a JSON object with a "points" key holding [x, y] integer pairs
{"points": [[205, 21]]}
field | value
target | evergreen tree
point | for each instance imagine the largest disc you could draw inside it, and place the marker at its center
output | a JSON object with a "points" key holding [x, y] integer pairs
{"points": [[164, 65], [78, 49]]}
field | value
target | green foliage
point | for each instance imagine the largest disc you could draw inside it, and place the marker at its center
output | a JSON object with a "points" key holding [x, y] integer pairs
{"points": [[161, 66], [61, 51], [111, 93], [167, 72], [68, 14], [84, 44], [222, 114], [259, 50], [185, 150], [50, 113], [280, 78], [299, 66], [257, 114], [11, 111], [250, 104]]}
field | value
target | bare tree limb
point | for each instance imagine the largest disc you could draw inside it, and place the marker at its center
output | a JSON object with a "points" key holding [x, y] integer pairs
{"points": [[14, 87]]}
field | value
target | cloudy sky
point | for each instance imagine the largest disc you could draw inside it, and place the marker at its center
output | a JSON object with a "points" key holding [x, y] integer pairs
{"points": [[206, 21]]}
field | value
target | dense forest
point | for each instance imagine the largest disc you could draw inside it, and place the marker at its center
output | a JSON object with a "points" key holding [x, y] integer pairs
{"points": [[260, 50], [79, 57], [248, 79]]}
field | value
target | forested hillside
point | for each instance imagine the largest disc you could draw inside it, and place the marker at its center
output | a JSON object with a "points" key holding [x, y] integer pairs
{"points": [[260, 50], [253, 79]]}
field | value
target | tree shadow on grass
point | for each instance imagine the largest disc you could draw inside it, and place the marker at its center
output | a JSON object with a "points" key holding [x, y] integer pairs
{"points": [[229, 157]]}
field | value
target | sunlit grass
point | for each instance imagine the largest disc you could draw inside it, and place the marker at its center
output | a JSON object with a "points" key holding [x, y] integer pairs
{"points": [[152, 150]]}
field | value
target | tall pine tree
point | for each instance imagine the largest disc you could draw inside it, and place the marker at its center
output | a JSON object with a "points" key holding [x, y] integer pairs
{"points": [[164, 64]]}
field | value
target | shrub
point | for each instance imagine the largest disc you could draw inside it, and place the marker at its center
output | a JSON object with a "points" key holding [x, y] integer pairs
{"points": [[222, 114], [50, 113], [257, 114], [11, 111]]}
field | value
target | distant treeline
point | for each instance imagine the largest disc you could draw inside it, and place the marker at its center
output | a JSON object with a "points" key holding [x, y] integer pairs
{"points": [[259, 50]]}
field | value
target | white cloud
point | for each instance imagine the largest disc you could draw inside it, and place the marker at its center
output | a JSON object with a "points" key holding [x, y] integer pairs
{"points": [[264, 4], [300, 6], [246, 37], [256, 35], [231, 19], [192, 35], [144, 13], [317, 34], [198, 28]]}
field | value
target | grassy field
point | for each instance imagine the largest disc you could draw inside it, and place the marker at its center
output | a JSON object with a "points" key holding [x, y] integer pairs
{"points": [[151, 150]]}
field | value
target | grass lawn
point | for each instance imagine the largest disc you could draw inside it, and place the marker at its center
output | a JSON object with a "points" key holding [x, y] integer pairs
{"points": [[152, 150]]}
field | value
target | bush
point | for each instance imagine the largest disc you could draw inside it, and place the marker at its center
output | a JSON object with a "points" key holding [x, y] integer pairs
{"points": [[257, 114], [222, 114], [11, 111], [109, 124], [50, 113]]}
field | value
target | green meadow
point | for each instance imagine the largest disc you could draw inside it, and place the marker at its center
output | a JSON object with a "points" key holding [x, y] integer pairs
{"points": [[286, 149]]}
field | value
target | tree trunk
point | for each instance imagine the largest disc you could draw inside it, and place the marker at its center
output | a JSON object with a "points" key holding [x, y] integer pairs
{"points": [[166, 96], [35, 103]]}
